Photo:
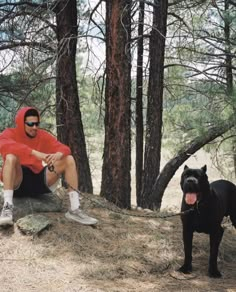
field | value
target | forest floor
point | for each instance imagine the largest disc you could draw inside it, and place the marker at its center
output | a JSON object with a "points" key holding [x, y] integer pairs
{"points": [[122, 253]]}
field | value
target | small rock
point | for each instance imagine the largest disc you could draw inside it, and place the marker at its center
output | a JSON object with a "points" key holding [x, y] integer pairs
{"points": [[33, 224]]}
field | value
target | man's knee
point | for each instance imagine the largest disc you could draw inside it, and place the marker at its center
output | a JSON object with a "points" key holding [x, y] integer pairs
{"points": [[70, 160], [11, 159], [66, 162]]}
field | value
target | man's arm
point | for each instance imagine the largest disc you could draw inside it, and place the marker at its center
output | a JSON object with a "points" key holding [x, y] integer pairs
{"points": [[8, 145], [49, 159], [39, 155], [52, 145]]}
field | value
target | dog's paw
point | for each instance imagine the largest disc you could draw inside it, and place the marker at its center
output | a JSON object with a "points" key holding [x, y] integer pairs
{"points": [[214, 273], [186, 269]]}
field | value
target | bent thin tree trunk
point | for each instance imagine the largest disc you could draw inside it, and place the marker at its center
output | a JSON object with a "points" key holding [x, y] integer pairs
{"points": [[171, 167]]}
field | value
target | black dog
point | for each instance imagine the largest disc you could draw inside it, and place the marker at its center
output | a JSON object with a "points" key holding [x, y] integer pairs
{"points": [[204, 206]]}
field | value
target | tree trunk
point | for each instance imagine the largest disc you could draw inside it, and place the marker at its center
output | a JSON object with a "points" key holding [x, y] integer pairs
{"points": [[139, 106], [229, 70], [68, 115], [155, 101], [117, 149], [228, 57], [171, 167]]}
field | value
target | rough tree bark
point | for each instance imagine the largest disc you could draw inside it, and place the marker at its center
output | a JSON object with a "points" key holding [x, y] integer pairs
{"points": [[117, 149], [68, 115], [155, 101]]}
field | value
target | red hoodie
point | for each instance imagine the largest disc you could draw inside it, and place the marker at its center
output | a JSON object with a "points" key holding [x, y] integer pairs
{"points": [[15, 141]]}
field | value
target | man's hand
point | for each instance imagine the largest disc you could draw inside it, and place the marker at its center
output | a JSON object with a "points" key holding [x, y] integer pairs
{"points": [[49, 159], [52, 158]]}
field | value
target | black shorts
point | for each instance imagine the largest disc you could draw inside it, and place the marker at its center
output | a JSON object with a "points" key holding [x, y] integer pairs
{"points": [[32, 184]]}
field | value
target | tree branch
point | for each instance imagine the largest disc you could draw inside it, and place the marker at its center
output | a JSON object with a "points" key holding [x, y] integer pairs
{"points": [[25, 43], [183, 154]]}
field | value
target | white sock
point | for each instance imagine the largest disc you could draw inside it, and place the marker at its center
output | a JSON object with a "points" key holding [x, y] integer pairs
{"points": [[8, 197], [74, 200]]}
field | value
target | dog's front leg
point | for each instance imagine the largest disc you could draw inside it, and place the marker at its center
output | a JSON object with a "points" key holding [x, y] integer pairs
{"points": [[188, 242], [215, 239]]}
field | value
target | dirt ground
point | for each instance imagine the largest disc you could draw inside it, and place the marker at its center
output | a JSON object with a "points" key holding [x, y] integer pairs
{"points": [[122, 253]]}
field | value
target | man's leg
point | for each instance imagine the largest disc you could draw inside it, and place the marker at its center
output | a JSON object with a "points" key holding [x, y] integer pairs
{"points": [[67, 167], [12, 177]]}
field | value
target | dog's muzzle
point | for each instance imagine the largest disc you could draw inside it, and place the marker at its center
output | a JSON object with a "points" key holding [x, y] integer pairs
{"points": [[191, 189]]}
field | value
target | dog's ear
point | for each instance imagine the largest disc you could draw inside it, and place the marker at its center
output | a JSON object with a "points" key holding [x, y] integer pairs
{"points": [[186, 167], [204, 168]]}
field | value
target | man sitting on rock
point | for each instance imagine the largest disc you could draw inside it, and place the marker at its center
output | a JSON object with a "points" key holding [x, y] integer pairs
{"points": [[25, 150]]}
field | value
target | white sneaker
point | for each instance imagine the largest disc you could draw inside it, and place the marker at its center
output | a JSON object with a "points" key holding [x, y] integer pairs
{"points": [[6, 217], [79, 216]]}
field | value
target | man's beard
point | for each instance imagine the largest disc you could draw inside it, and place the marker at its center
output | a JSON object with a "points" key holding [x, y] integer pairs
{"points": [[28, 135]]}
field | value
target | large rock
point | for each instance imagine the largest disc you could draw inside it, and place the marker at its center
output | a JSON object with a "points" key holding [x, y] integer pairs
{"points": [[33, 204]]}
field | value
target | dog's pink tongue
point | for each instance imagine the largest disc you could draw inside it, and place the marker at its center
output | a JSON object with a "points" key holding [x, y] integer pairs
{"points": [[191, 198]]}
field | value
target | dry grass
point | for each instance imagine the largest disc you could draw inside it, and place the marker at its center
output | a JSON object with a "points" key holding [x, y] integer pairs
{"points": [[121, 254]]}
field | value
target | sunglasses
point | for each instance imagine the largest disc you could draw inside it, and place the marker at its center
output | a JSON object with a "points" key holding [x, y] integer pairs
{"points": [[31, 124]]}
